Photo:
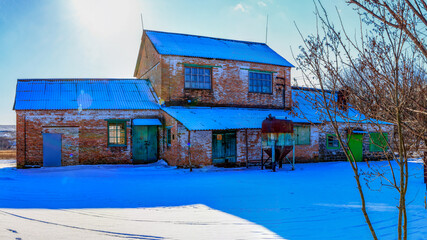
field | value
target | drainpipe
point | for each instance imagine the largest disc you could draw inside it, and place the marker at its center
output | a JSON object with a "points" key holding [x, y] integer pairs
{"points": [[25, 139], [247, 156], [189, 150]]}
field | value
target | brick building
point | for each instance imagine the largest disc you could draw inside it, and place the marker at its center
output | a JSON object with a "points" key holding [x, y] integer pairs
{"points": [[197, 99]]}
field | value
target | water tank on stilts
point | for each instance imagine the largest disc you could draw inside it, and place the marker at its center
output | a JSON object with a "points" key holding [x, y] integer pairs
{"points": [[277, 140]]}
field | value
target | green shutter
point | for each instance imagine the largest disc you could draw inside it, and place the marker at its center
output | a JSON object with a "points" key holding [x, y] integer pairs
{"points": [[378, 141], [302, 135]]}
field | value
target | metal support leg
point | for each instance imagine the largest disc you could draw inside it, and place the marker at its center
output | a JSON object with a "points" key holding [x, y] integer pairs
{"points": [[273, 156], [262, 159], [293, 155]]}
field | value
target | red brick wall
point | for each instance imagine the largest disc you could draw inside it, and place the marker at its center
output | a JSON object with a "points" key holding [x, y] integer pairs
{"points": [[149, 64], [230, 83], [84, 135], [178, 152]]}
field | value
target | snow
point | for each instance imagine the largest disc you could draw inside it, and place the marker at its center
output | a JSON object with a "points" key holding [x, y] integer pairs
{"points": [[316, 201], [207, 47]]}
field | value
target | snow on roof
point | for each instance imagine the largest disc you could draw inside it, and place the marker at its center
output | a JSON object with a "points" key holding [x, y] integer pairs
{"points": [[208, 47], [222, 118], [309, 104], [63, 94]]}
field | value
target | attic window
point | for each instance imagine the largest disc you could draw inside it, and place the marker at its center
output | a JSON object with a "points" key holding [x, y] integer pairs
{"points": [[260, 82], [197, 78]]}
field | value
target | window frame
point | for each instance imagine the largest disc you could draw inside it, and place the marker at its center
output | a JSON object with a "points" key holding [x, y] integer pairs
{"points": [[297, 135], [373, 147], [117, 121], [327, 142], [260, 79], [198, 67], [169, 136]]}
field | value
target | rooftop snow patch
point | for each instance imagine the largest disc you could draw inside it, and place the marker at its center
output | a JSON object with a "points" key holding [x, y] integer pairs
{"points": [[208, 47], [222, 118]]}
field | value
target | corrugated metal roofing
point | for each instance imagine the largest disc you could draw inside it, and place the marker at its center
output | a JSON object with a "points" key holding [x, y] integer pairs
{"points": [[64, 94], [220, 118], [208, 47]]}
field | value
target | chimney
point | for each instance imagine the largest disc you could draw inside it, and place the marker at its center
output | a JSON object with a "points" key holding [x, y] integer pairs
{"points": [[342, 98]]}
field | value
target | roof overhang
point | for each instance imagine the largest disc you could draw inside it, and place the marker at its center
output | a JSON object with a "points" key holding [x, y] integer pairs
{"points": [[146, 122]]}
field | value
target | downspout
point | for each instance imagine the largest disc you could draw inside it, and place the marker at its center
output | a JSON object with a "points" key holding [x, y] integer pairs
{"points": [[189, 150], [25, 139], [247, 156]]}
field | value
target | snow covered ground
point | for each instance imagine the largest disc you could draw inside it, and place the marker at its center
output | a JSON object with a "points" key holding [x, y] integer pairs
{"points": [[316, 201]]}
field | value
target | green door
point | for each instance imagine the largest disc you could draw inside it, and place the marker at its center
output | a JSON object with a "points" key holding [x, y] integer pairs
{"points": [[223, 147], [355, 143], [144, 144]]}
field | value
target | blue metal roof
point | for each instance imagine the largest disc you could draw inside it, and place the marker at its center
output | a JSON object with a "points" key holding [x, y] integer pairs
{"points": [[64, 94], [220, 118], [207, 47]]}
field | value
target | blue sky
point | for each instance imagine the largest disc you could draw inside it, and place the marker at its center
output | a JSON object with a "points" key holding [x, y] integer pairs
{"points": [[100, 38]]}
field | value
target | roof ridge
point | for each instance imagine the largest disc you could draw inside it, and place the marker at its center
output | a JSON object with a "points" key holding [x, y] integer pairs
{"points": [[215, 38], [75, 79]]}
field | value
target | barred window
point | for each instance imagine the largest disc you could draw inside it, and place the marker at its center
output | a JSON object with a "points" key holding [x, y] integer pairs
{"points": [[169, 135], [260, 82], [197, 78], [116, 133]]}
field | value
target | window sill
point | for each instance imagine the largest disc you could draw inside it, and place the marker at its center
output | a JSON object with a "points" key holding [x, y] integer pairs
{"points": [[117, 145], [206, 89], [333, 148], [261, 93]]}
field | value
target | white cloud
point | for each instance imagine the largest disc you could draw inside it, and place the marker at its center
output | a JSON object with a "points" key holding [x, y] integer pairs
{"points": [[240, 7], [262, 4]]}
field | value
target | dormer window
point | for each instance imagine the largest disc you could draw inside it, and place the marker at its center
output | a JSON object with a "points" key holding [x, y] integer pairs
{"points": [[197, 78], [260, 82]]}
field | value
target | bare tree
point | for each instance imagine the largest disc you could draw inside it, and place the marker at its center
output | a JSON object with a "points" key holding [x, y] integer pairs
{"points": [[383, 77], [408, 16]]}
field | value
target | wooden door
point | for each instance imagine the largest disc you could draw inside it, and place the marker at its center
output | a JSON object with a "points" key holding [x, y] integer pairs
{"points": [[223, 147], [144, 144], [355, 143]]}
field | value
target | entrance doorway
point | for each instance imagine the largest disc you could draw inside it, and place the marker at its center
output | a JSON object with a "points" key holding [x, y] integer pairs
{"points": [[52, 149], [144, 144], [355, 143], [223, 147]]}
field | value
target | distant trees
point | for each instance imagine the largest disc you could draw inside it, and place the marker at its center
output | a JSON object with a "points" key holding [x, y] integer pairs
{"points": [[5, 143], [383, 75]]}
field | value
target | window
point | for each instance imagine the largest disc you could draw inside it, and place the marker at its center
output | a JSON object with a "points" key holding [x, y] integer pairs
{"points": [[169, 135], [116, 132], [378, 142], [332, 141], [260, 82], [302, 135], [197, 78]]}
